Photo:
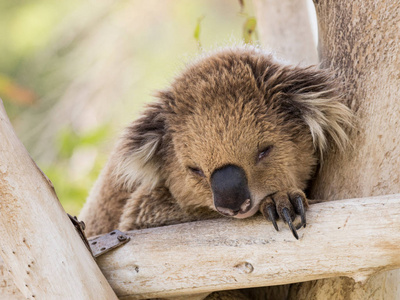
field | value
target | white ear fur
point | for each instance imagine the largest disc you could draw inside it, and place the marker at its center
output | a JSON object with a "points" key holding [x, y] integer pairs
{"points": [[139, 166], [138, 159], [326, 117], [315, 94]]}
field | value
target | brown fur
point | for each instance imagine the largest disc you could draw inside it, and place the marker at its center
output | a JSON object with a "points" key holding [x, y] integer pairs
{"points": [[223, 110]]}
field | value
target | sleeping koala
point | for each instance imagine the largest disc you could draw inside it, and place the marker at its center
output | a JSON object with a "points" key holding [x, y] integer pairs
{"points": [[234, 134]]}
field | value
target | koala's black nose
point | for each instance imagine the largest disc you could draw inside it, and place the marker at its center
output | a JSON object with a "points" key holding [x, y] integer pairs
{"points": [[230, 190]]}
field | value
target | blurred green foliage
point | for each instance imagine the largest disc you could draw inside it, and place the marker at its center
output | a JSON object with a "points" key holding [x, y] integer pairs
{"points": [[25, 27], [72, 181], [73, 73], [68, 140]]}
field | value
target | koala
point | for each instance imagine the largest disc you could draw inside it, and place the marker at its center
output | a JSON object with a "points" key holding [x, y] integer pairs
{"points": [[235, 133]]}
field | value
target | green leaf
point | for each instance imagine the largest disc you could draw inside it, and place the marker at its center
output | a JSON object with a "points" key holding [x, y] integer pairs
{"points": [[249, 28], [196, 33]]}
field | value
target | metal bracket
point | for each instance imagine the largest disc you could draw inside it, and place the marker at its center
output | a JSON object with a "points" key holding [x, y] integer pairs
{"points": [[104, 243], [80, 228], [101, 244]]}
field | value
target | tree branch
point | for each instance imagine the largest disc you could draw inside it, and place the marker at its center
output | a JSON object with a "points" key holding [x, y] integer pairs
{"points": [[343, 238]]}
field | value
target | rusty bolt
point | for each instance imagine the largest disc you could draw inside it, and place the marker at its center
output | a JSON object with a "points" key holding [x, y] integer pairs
{"points": [[82, 225], [121, 238]]}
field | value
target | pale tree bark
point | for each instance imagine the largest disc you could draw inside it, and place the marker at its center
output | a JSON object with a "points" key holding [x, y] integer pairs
{"points": [[284, 28], [361, 40], [224, 254], [41, 249]]}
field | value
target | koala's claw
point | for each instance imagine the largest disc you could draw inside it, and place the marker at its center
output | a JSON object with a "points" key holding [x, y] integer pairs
{"points": [[272, 216], [301, 210], [286, 216], [286, 205]]}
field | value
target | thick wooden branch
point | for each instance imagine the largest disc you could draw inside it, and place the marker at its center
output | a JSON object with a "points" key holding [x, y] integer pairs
{"points": [[343, 238], [39, 244]]}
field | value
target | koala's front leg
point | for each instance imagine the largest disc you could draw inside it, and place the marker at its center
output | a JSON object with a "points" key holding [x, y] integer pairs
{"points": [[285, 205], [157, 207]]}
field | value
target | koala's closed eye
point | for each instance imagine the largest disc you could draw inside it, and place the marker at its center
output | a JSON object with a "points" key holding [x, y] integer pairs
{"points": [[196, 171], [264, 153]]}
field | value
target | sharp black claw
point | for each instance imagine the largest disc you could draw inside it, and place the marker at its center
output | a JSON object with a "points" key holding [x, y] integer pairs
{"points": [[286, 216], [302, 211], [271, 215]]}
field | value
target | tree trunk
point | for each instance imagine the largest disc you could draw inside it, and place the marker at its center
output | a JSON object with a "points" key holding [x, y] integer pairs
{"points": [[361, 40], [39, 245], [285, 29], [8, 289]]}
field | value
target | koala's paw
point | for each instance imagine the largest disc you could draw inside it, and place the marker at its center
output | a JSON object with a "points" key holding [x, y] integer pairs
{"points": [[285, 205]]}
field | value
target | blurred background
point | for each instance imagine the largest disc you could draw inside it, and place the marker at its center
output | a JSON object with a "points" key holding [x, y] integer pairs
{"points": [[74, 73]]}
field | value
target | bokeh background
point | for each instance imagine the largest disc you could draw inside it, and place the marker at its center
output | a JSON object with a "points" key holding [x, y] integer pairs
{"points": [[74, 73]]}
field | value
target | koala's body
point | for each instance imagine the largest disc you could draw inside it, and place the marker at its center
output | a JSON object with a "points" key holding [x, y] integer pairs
{"points": [[234, 134]]}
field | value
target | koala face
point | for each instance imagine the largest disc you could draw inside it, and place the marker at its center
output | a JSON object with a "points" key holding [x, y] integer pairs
{"points": [[234, 128], [234, 151]]}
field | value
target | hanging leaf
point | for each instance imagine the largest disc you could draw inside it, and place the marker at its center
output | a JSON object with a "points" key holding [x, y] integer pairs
{"points": [[249, 29], [196, 33]]}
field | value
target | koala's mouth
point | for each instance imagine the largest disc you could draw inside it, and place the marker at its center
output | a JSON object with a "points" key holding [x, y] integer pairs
{"points": [[246, 210], [245, 207], [252, 211]]}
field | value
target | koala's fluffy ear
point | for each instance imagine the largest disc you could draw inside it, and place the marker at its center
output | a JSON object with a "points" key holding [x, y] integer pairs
{"points": [[314, 95], [139, 152]]}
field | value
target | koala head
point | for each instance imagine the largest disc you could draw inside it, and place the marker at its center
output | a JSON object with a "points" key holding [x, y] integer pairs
{"points": [[232, 129]]}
